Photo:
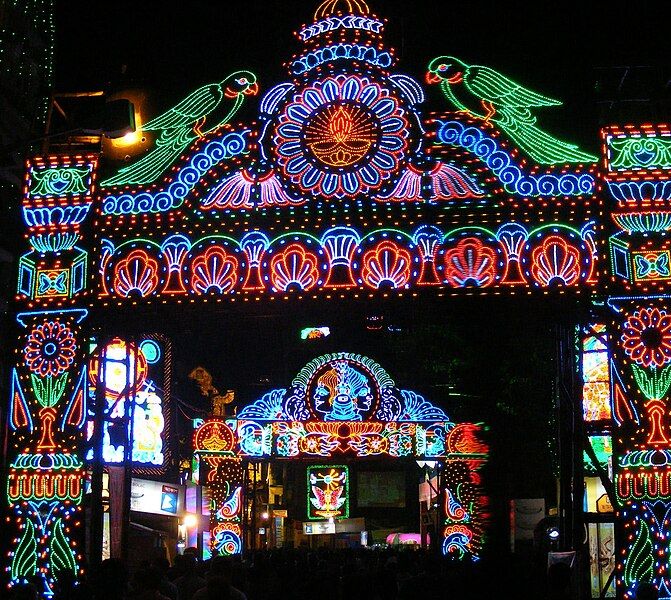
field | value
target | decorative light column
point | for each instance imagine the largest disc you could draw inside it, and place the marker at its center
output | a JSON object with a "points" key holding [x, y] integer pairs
{"points": [[222, 471], [637, 182], [47, 408]]}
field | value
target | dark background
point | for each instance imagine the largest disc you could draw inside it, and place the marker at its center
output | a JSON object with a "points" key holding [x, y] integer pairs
{"points": [[554, 47]]}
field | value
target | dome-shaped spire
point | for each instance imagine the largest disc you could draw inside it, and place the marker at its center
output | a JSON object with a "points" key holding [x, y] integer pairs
{"points": [[342, 31], [343, 7]]}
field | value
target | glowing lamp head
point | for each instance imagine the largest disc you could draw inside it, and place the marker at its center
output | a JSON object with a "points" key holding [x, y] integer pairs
{"points": [[265, 515], [131, 138]]}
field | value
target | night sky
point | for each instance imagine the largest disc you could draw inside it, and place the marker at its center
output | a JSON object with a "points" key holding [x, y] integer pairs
{"points": [[171, 47]]}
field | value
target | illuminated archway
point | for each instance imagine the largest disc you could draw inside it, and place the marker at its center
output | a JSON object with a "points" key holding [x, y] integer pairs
{"points": [[344, 405]]}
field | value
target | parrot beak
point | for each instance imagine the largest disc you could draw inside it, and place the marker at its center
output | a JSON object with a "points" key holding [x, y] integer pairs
{"points": [[432, 78], [252, 90]]}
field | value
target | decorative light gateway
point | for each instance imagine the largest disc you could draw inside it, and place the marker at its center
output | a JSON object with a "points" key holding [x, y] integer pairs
{"points": [[315, 333]]}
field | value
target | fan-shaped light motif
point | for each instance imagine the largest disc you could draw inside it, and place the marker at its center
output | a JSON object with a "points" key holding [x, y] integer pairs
{"points": [[556, 261], [471, 262], [386, 264], [137, 273], [294, 267], [344, 7], [214, 271]]}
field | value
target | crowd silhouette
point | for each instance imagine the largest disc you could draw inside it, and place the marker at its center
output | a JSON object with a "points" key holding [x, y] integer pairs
{"points": [[326, 574]]}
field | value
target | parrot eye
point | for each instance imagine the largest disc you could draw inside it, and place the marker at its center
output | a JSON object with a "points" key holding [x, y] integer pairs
{"points": [[242, 81], [442, 67]]}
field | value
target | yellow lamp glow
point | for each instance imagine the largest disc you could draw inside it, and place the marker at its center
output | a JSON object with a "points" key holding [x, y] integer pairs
{"points": [[190, 521]]}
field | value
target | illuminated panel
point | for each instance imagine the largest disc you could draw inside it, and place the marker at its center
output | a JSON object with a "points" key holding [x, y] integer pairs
{"points": [[49, 181], [48, 400], [315, 333], [465, 510], [343, 387], [603, 449], [343, 136], [226, 515], [173, 194], [328, 492], [57, 197], [222, 472], [629, 150], [307, 420], [515, 176], [139, 373], [596, 375], [45, 473], [642, 379], [352, 52], [549, 258], [637, 172]]}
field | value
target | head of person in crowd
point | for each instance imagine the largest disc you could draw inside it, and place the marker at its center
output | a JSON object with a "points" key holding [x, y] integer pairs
{"points": [[24, 591], [646, 591]]}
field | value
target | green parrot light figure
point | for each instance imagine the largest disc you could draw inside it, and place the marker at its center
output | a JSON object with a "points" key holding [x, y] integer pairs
{"points": [[488, 95], [200, 113]]}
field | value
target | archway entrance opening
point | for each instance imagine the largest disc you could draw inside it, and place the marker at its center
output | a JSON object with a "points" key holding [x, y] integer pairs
{"points": [[314, 445]]}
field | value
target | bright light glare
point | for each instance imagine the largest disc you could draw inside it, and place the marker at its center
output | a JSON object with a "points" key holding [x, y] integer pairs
{"points": [[132, 137], [190, 521]]}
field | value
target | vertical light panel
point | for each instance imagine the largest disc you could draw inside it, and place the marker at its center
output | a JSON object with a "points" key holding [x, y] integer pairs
{"points": [[596, 374], [636, 171], [137, 372], [222, 473], [643, 475]]}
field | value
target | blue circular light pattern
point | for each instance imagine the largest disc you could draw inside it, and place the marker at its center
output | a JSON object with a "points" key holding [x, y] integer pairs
{"points": [[151, 351]]}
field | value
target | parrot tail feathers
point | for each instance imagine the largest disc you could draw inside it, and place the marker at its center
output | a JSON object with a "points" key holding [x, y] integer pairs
{"points": [[149, 168], [542, 147]]}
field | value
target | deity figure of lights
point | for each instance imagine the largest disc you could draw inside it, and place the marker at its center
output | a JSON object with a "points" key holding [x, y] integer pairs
{"points": [[342, 136], [327, 487], [342, 394]]}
